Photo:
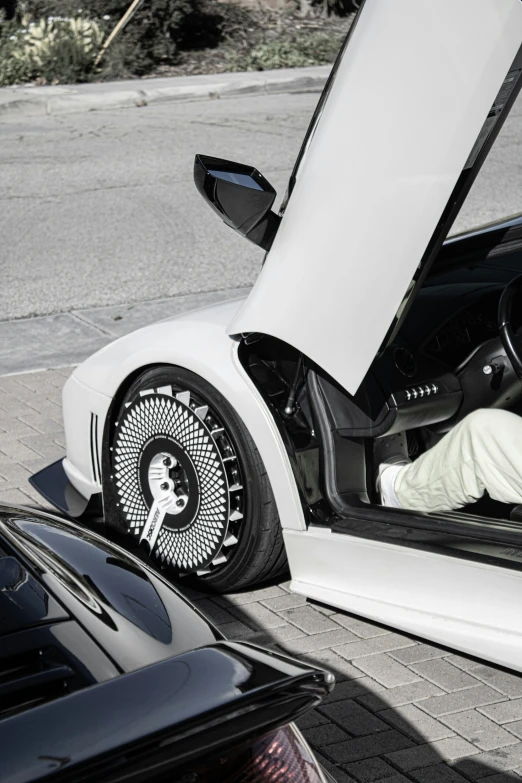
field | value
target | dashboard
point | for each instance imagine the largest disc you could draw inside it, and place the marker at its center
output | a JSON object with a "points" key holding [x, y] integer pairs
{"points": [[471, 327], [419, 390], [457, 368], [447, 358], [448, 361]]}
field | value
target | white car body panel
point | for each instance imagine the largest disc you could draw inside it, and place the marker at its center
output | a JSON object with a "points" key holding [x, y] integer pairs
{"points": [[410, 97], [473, 607], [198, 342]]}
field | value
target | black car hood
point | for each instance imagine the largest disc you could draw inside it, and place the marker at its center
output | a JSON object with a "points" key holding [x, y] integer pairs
{"points": [[112, 675], [135, 615]]}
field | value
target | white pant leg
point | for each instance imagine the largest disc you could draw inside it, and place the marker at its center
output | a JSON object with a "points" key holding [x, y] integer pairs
{"points": [[483, 452]]}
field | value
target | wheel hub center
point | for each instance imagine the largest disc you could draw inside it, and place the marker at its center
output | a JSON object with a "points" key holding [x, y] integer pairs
{"points": [[168, 483]]}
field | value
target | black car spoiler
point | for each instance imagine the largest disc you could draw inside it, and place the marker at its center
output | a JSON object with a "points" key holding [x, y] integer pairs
{"points": [[158, 718]]}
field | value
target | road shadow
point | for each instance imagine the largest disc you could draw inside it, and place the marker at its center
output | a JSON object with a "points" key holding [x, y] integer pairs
{"points": [[365, 731]]}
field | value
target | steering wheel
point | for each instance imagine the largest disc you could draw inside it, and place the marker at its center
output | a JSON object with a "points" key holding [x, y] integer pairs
{"points": [[511, 340]]}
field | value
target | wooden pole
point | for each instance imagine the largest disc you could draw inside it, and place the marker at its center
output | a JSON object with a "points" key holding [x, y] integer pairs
{"points": [[129, 13]]}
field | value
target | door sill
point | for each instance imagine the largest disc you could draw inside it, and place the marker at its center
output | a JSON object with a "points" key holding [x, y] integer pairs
{"points": [[454, 533]]}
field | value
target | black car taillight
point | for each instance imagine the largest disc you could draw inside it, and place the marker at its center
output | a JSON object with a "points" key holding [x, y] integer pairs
{"points": [[282, 756]]}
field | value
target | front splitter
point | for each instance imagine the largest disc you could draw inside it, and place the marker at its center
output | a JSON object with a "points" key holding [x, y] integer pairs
{"points": [[53, 484]]}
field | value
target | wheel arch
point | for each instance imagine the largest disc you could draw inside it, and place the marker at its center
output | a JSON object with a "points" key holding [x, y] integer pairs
{"points": [[197, 342]]}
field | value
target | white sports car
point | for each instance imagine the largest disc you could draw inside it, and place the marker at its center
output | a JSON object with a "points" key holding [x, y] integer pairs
{"points": [[242, 437]]}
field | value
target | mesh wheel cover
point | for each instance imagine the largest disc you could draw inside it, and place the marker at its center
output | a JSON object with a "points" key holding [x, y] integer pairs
{"points": [[160, 416]]}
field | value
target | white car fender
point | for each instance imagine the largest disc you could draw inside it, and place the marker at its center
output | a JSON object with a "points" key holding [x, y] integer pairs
{"points": [[84, 412], [198, 342]]}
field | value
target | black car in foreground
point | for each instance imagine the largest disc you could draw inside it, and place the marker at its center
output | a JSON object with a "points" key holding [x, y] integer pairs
{"points": [[108, 674]]}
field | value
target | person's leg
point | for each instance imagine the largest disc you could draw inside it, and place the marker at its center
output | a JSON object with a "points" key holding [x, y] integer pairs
{"points": [[483, 452]]}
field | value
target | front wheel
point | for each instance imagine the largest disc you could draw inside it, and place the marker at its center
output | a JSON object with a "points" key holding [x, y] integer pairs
{"points": [[190, 484]]}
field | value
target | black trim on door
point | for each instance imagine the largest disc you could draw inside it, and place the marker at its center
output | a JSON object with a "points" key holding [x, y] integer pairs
{"points": [[496, 543], [319, 111]]}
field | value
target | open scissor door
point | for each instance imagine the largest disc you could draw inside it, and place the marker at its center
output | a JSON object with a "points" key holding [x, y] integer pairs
{"points": [[417, 97]]}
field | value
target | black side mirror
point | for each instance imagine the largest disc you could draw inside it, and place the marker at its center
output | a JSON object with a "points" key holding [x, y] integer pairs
{"points": [[240, 195]]}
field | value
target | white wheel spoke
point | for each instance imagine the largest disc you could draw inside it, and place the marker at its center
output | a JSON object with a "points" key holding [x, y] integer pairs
{"points": [[158, 472], [154, 522]]}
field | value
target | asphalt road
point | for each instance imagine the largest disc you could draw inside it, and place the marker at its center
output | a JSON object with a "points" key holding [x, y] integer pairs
{"points": [[100, 208]]}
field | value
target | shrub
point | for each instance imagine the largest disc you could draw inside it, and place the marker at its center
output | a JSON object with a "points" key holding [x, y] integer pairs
{"points": [[151, 37], [293, 52], [152, 33], [12, 70], [215, 21], [52, 49], [58, 43], [7, 9], [326, 8]]}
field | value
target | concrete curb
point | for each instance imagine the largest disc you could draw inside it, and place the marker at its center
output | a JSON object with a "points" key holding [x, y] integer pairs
{"points": [[21, 101], [63, 339]]}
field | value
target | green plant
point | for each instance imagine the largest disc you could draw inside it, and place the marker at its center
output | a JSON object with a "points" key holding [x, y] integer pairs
{"points": [[151, 37], [293, 52], [52, 49], [7, 9], [213, 22], [12, 70], [121, 61], [57, 42], [157, 32], [327, 8]]}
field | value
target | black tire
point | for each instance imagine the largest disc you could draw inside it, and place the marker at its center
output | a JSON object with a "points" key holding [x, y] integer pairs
{"points": [[218, 477]]}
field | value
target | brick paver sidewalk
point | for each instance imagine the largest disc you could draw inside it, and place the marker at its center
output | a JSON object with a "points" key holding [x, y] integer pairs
{"points": [[402, 710]]}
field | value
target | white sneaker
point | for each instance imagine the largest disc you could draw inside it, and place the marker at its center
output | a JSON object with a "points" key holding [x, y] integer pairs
{"points": [[386, 476]]}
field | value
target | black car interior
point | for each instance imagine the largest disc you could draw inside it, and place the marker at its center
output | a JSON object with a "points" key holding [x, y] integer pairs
{"points": [[458, 350]]}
